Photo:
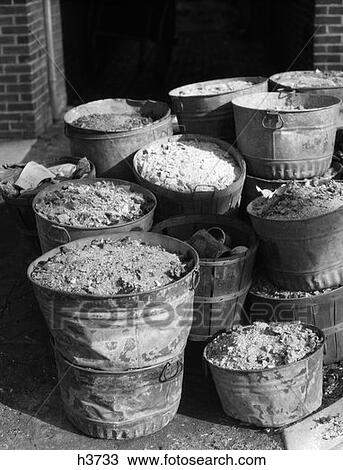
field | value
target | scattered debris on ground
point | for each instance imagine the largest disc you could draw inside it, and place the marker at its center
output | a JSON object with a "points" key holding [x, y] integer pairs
{"points": [[262, 346], [295, 201], [332, 426], [111, 122], [108, 268], [93, 205], [187, 165], [332, 383]]}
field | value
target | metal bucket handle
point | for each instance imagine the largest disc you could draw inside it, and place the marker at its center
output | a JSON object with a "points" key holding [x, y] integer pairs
{"points": [[217, 233], [170, 372], [195, 279], [55, 229], [177, 128], [272, 120], [66, 130], [214, 189]]}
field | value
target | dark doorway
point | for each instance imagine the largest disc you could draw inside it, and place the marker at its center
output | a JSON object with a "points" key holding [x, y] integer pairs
{"points": [[142, 49]]}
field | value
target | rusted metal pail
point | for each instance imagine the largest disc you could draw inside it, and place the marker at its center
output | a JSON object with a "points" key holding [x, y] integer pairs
{"points": [[286, 135], [111, 152], [288, 81], [208, 200], [272, 397], [52, 234], [322, 310], [123, 331], [304, 254], [120, 405], [224, 283], [211, 114]]}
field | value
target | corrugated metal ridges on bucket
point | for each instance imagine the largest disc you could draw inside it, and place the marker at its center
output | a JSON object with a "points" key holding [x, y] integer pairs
{"points": [[286, 135]]}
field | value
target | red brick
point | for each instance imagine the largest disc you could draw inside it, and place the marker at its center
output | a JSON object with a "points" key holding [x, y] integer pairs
{"points": [[10, 97], [27, 39], [15, 50], [20, 106], [336, 10], [324, 39], [21, 20], [335, 48], [22, 125], [26, 97], [6, 19], [321, 10], [7, 59], [321, 30], [15, 30], [23, 68], [336, 29], [328, 20], [328, 2], [22, 88], [13, 10], [23, 59], [8, 78], [320, 48], [9, 116], [7, 39], [328, 58]]}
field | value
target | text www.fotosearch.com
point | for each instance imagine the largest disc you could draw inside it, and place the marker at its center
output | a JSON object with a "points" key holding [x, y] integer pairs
{"points": [[169, 460]]}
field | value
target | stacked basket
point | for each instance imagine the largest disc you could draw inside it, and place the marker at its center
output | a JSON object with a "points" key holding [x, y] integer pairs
{"points": [[302, 258], [120, 357]]}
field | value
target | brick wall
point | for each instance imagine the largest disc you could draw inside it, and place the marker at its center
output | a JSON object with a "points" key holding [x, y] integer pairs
{"points": [[328, 39], [25, 109]]}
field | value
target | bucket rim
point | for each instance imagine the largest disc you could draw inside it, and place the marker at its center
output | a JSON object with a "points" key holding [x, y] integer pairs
{"points": [[174, 93], [237, 102], [299, 299], [251, 213], [336, 167], [116, 236], [85, 181], [230, 149], [274, 78], [174, 359], [69, 122], [314, 328]]}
